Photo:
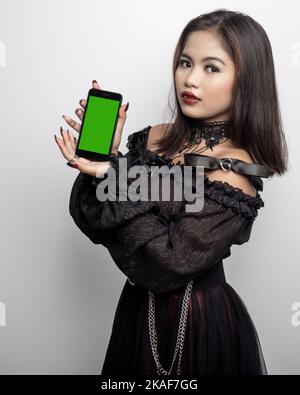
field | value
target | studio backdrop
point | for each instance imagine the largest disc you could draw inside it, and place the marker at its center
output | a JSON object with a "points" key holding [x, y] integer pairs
{"points": [[58, 290]]}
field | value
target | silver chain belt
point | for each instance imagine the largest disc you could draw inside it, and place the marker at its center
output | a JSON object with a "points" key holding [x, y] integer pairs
{"points": [[180, 333]]}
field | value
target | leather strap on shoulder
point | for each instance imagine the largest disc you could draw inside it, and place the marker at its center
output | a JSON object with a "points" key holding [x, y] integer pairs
{"points": [[252, 170]]}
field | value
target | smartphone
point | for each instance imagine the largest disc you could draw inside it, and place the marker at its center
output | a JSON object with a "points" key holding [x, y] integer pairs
{"points": [[99, 125]]}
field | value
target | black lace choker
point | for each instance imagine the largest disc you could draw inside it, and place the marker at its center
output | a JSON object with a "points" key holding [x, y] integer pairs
{"points": [[212, 133]]}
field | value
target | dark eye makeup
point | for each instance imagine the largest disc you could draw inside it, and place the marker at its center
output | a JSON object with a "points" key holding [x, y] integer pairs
{"points": [[181, 61]]}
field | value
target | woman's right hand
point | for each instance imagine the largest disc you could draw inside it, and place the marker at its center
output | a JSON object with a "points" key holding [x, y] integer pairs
{"points": [[120, 125]]}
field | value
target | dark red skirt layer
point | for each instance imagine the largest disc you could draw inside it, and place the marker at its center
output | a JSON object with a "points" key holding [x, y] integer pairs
{"points": [[220, 337]]}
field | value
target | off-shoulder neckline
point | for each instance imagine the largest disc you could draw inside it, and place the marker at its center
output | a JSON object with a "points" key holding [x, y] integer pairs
{"points": [[207, 181]]}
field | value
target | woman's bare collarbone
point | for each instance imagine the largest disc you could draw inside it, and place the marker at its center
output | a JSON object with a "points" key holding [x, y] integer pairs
{"points": [[221, 150]]}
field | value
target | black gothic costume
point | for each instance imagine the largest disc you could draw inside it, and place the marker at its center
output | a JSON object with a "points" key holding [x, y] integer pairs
{"points": [[168, 255]]}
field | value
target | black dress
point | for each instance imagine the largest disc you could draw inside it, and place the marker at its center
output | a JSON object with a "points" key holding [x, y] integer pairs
{"points": [[161, 248]]}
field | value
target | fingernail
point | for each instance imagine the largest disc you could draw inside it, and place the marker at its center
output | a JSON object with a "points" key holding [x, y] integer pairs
{"points": [[61, 131], [127, 105], [72, 165], [94, 81], [55, 138]]}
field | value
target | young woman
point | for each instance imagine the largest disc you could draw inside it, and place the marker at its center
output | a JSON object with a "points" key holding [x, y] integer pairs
{"points": [[177, 314]]}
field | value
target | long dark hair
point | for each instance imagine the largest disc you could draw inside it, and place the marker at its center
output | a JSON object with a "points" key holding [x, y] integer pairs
{"points": [[255, 115]]}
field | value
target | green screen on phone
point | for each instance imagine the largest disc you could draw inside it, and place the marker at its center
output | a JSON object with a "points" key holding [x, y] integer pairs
{"points": [[98, 127]]}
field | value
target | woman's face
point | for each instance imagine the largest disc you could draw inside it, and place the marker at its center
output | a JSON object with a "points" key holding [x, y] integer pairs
{"points": [[210, 80]]}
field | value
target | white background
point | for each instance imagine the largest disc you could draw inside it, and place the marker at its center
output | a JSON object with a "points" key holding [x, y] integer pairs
{"points": [[59, 289]]}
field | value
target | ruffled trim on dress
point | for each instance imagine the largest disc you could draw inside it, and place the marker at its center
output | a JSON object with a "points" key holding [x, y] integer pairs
{"points": [[234, 197], [136, 140]]}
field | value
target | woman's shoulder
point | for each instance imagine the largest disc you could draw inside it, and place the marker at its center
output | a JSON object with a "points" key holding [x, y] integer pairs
{"points": [[232, 188], [155, 133], [239, 153], [231, 177], [146, 137]]}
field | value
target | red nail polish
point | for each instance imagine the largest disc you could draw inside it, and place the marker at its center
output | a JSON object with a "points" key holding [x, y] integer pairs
{"points": [[95, 81]]}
